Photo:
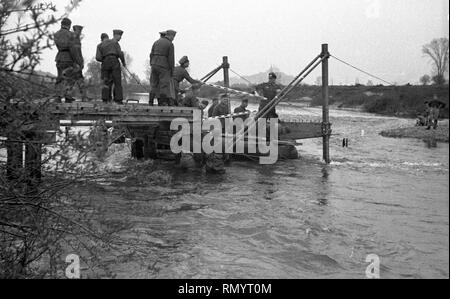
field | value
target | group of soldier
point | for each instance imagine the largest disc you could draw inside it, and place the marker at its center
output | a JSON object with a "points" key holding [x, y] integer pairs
{"points": [[69, 61], [165, 78], [430, 117]]}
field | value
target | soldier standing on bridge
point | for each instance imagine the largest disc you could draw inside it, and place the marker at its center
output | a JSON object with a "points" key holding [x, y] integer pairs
{"points": [[65, 60], [78, 72], [180, 73], [98, 55], [269, 90], [162, 61], [109, 53]]}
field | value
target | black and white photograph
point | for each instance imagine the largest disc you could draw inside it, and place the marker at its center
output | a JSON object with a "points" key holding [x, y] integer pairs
{"points": [[224, 145]]}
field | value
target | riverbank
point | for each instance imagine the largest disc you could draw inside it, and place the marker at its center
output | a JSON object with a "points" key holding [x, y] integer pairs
{"points": [[438, 135]]}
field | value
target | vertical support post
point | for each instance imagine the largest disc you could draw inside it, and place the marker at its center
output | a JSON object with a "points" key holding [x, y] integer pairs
{"points": [[33, 159], [226, 77], [14, 163], [325, 109]]}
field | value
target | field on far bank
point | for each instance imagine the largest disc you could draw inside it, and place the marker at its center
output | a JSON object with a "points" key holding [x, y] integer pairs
{"points": [[438, 135], [401, 101]]}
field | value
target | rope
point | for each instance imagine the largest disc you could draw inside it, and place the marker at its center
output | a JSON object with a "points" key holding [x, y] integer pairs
{"points": [[235, 91], [362, 71], [231, 70], [232, 115]]}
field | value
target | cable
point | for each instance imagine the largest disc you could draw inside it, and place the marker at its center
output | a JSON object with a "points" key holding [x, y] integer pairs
{"points": [[241, 77], [362, 71]]}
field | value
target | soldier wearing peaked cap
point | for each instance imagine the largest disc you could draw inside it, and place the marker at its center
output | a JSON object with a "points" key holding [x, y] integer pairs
{"points": [[79, 62], [162, 61], [65, 59], [109, 53], [98, 55], [269, 90], [180, 74]]}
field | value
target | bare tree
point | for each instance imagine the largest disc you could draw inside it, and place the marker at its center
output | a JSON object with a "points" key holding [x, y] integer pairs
{"points": [[437, 51], [37, 213]]}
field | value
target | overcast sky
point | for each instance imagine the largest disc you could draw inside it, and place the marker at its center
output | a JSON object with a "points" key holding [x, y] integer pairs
{"points": [[382, 36]]}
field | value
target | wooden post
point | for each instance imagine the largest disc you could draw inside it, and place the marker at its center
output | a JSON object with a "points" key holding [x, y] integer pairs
{"points": [[33, 159], [325, 108], [14, 160], [226, 77]]}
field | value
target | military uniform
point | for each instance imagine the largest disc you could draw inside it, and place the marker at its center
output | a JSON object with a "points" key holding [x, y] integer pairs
{"points": [[180, 74], [65, 60], [269, 91], [211, 109], [78, 73], [109, 53], [434, 108], [241, 109], [162, 61]]}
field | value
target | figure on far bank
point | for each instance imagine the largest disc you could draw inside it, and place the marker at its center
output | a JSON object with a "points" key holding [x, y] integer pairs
{"points": [[434, 108], [162, 62]]}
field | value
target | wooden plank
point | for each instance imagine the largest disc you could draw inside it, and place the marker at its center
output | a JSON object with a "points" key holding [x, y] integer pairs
{"points": [[297, 131]]}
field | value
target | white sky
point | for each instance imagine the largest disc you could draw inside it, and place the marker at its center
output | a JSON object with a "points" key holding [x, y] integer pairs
{"points": [[382, 36]]}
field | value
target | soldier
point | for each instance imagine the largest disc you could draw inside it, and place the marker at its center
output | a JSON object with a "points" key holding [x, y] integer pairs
{"points": [[213, 106], [98, 55], [65, 60], [243, 109], [434, 108], [222, 108], [78, 72], [109, 54], [162, 61], [180, 73], [190, 99], [269, 90]]}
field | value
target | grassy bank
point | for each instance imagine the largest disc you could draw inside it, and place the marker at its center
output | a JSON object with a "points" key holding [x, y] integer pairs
{"points": [[402, 101], [439, 135]]}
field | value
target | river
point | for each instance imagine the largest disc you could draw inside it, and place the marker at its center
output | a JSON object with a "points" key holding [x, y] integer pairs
{"points": [[295, 219]]}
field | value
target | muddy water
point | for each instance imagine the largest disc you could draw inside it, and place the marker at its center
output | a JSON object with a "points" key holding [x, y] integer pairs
{"points": [[296, 219]]}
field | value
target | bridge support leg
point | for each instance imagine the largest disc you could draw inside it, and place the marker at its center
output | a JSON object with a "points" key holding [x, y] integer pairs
{"points": [[137, 149], [33, 160], [326, 111], [14, 163]]}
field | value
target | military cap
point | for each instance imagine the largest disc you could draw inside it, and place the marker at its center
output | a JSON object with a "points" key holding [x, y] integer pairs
{"points": [[77, 28], [169, 32], [117, 32], [183, 60], [66, 22], [272, 75]]}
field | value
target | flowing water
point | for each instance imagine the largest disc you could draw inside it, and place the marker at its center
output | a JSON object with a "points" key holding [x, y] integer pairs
{"points": [[295, 219]]}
